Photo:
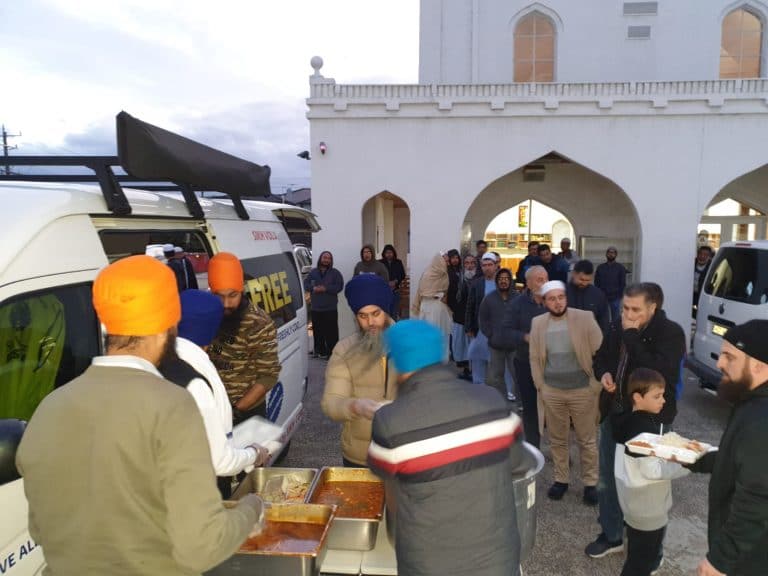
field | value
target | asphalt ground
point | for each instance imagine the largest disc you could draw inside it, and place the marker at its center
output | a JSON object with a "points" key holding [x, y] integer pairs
{"points": [[567, 526]]}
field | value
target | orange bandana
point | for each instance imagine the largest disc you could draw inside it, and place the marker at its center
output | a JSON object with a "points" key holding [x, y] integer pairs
{"points": [[137, 296], [225, 273]]}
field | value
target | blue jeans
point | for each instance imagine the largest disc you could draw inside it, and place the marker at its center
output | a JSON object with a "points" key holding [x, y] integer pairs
{"points": [[394, 309], [611, 518], [615, 307]]}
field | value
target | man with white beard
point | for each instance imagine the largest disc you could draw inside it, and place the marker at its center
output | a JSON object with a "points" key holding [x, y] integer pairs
{"points": [[359, 379]]}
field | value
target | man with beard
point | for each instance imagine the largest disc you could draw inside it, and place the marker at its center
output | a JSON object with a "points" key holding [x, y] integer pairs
{"points": [[582, 294], [457, 288], [556, 267], [369, 265], [324, 284], [642, 337], [562, 344], [359, 379], [700, 269], [493, 310], [478, 289], [567, 254], [134, 490], [738, 489], [245, 349], [611, 278], [481, 249], [396, 272]]}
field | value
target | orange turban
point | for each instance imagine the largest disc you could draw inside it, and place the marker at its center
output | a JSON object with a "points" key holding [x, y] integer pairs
{"points": [[225, 273], [137, 296]]}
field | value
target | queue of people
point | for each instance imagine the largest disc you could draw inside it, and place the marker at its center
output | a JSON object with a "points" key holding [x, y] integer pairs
{"points": [[208, 360]]}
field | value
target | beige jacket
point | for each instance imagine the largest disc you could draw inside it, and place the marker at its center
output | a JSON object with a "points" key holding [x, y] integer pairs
{"points": [[119, 479], [350, 375], [586, 337]]}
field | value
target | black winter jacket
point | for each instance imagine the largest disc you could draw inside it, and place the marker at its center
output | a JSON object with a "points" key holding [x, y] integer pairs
{"points": [[738, 490], [590, 298], [659, 346]]}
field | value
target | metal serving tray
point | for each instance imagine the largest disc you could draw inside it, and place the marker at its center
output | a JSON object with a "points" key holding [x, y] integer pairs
{"points": [[258, 478], [349, 533], [283, 563]]}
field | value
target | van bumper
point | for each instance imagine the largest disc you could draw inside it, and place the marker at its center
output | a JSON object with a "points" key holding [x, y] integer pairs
{"points": [[709, 378]]}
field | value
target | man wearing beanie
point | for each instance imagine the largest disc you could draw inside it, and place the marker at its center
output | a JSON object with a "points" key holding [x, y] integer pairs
{"points": [[447, 452], [201, 314], [245, 348], [359, 378], [562, 344], [738, 489], [133, 491]]}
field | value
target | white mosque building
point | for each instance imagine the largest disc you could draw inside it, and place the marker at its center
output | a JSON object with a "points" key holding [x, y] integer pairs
{"points": [[629, 118]]}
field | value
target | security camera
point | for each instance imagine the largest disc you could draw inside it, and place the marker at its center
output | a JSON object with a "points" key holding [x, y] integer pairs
{"points": [[323, 147]]}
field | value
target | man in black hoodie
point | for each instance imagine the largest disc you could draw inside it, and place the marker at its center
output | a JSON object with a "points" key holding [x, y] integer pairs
{"points": [[642, 337], [738, 489]]}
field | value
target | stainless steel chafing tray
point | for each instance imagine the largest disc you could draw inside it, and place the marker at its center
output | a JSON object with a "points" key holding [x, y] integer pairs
{"points": [[349, 533], [256, 481], [277, 563]]}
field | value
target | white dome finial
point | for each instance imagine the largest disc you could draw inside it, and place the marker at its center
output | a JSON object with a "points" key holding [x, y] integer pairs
{"points": [[316, 64]]}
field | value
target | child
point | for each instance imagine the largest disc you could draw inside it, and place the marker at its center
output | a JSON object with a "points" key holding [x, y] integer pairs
{"points": [[643, 483]]}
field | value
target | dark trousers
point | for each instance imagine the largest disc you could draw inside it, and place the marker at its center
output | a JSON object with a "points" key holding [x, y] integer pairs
{"points": [[528, 397], [643, 551], [610, 517], [325, 331]]}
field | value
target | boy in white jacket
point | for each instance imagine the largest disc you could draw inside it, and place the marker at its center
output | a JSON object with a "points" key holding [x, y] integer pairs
{"points": [[643, 483]]}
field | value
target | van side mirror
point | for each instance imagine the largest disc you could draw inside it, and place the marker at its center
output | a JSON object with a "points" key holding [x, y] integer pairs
{"points": [[306, 269], [11, 431]]}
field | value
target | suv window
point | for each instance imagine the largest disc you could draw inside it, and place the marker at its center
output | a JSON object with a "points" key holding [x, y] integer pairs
{"points": [[47, 338], [739, 274], [274, 285]]}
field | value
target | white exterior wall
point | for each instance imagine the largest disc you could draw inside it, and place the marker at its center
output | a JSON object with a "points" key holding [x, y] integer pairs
{"points": [[470, 41], [655, 158]]}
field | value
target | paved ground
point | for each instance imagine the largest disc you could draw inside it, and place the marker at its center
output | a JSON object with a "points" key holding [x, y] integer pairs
{"points": [[564, 527]]}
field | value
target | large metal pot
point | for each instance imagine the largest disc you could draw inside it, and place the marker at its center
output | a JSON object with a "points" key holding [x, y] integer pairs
{"points": [[524, 486]]}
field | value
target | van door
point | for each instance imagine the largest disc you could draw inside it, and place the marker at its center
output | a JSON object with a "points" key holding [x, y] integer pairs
{"points": [[48, 335]]}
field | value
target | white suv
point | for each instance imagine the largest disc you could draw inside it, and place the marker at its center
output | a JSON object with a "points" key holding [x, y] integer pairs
{"points": [[735, 291]]}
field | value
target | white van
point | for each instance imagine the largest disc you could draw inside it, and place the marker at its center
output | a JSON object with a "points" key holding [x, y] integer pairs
{"points": [[56, 237], [735, 291]]}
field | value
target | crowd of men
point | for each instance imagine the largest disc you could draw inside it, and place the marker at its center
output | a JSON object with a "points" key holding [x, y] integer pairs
{"points": [[136, 481]]}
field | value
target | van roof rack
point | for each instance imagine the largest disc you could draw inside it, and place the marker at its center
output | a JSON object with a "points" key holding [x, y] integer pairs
{"points": [[151, 154]]}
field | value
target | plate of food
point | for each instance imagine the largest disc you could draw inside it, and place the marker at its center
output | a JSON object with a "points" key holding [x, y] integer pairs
{"points": [[670, 446]]}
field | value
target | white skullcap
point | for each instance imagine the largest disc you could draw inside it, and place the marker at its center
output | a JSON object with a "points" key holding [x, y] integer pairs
{"points": [[178, 249], [551, 285], [489, 256], [168, 247]]}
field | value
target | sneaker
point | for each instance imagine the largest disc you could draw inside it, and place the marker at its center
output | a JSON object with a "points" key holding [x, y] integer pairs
{"points": [[557, 490], [602, 547], [590, 496], [655, 571], [511, 397]]}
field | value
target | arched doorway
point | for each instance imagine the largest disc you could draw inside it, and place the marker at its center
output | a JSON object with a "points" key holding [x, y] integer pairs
{"points": [[599, 211], [386, 219]]}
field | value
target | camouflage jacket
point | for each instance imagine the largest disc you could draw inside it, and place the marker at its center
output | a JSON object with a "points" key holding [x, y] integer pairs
{"points": [[245, 351]]}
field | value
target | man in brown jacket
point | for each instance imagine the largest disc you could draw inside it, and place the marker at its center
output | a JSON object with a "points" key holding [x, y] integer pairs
{"points": [[116, 464], [562, 345], [245, 349], [359, 379]]}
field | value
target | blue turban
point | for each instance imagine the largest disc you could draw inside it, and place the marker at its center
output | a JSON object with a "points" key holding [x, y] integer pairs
{"points": [[413, 345], [366, 290], [201, 314]]}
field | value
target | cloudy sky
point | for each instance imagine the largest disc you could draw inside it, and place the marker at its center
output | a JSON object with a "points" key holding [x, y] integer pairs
{"points": [[232, 74]]}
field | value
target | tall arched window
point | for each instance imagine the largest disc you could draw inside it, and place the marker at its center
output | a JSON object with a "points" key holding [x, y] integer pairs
{"points": [[534, 49], [741, 45]]}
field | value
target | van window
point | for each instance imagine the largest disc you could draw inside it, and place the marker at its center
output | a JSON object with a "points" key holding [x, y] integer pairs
{"points": [[739, 274], [47, 338], [122, 243], [273, 284]]}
